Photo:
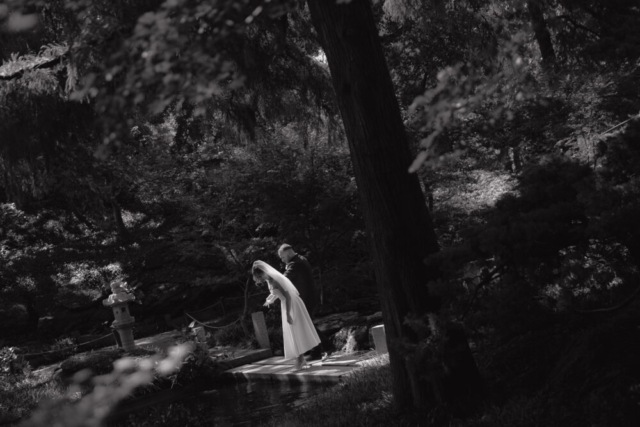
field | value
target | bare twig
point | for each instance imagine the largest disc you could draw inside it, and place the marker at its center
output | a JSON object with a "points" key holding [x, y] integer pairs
{"points": [[619, 124], [610, 309], [578, 25], [488, 278]]}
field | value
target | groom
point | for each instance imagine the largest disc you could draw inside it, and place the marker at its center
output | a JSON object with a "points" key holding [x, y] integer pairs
{"points": [[298, 270]]}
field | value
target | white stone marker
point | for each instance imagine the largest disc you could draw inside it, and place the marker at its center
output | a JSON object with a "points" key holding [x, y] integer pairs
{"points": [[260, 329], [379, 339]]}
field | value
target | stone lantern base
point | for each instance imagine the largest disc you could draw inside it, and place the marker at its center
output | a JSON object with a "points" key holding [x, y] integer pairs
{"points": [[126, 334]]}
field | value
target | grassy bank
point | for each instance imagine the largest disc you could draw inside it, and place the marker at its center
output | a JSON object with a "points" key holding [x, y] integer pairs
{"points": [[88, 386], [20, 396]]}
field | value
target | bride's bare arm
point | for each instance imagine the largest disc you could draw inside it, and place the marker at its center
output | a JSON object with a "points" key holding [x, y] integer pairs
{"points": [[271, 298]]}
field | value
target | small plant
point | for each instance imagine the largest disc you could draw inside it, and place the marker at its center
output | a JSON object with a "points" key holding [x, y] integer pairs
{"points": [[229, 335], [198, 365], [12, 363]]}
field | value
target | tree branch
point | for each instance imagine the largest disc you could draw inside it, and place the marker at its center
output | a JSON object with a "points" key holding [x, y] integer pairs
{"points": [[609, 309], [488, 278], [578, 25]]}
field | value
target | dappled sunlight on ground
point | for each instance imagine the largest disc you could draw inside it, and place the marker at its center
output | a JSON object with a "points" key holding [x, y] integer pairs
{"points": [[474, 190]]}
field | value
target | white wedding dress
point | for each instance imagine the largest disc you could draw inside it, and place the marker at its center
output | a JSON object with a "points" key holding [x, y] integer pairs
{"points": [[301, 336]]}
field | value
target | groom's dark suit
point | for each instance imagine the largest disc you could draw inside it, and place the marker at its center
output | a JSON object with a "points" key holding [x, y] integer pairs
{"points": [[299, 272]]}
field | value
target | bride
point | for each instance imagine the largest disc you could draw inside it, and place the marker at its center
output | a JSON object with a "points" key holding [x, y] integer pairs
{"points": [[298, 332]]}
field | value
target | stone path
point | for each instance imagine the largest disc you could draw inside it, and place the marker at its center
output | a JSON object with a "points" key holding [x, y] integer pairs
{"points": [[252, 364], [279, 369]]}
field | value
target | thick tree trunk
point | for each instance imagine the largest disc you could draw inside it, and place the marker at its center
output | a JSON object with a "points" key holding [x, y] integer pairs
{"points": [[244, 318], [395, 213], [543, 37], [117, 215], [33, 316]]}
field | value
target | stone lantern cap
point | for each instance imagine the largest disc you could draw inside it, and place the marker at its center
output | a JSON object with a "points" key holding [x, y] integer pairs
{"points": [[119, 294]]}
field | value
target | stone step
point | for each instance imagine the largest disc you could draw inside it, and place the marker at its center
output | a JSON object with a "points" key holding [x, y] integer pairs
{"points": [[284, 372], [331, 370]]}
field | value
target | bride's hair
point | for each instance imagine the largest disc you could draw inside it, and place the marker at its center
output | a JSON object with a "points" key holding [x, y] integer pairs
{"points": [[261, 269], [258, 273]]}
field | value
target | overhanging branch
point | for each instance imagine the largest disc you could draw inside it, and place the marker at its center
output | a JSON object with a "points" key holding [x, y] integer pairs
{"points": [[578, 25], [43, 63], [610, 309]]}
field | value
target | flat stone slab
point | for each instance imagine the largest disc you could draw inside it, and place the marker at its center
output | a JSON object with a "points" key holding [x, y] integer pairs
{"points": [[347, 359], [321, 374], [276, 360], [280, 369]]}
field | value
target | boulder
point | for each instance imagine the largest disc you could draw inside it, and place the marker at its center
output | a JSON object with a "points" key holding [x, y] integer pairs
{"points": [[334, 322], [351, 339], [374, 318], [98, 362]]}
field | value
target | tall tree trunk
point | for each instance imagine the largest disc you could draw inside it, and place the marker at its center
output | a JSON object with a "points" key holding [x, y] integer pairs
{"points": [[543, 37], [244, 317], [33, 315], [117, 215], [79, 216], [395, 213]]}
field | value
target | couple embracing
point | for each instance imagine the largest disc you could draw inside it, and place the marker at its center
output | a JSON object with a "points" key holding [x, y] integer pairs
{"points": [[298, 332]]}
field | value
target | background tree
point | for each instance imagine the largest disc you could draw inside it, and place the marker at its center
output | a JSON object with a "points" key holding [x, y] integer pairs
{"points": [[394, 208]]}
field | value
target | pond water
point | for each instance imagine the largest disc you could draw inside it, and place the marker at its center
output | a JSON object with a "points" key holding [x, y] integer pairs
{"points": [[230, 404]]}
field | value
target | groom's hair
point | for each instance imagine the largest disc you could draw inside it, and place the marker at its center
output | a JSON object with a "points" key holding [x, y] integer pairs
{"points": [[285, 247]]}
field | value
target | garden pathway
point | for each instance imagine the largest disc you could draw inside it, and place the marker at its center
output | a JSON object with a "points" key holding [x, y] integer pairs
{"points": [[277, 368]]}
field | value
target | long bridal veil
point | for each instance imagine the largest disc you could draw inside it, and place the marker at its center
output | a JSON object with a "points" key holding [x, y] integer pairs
{"points": [[278, 277]]}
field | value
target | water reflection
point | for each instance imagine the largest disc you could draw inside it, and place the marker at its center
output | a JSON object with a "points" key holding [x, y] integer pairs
{"points": [[250, 403], [232, 404]]}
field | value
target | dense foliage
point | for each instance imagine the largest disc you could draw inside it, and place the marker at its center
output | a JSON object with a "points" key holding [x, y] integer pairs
{"points": [[172, 143]]}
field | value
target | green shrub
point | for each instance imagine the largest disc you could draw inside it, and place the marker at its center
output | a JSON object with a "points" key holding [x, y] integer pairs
{"points": [[231, 335], [12, 363], [19, 396], [197, 367]]}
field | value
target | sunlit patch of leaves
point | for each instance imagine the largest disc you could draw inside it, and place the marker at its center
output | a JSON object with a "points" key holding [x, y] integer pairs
{"points": [[473, 190], [132, 219], [87, 278]]}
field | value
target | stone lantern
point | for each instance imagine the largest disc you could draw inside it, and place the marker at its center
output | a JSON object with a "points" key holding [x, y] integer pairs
{"points": [[119, 302]]}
